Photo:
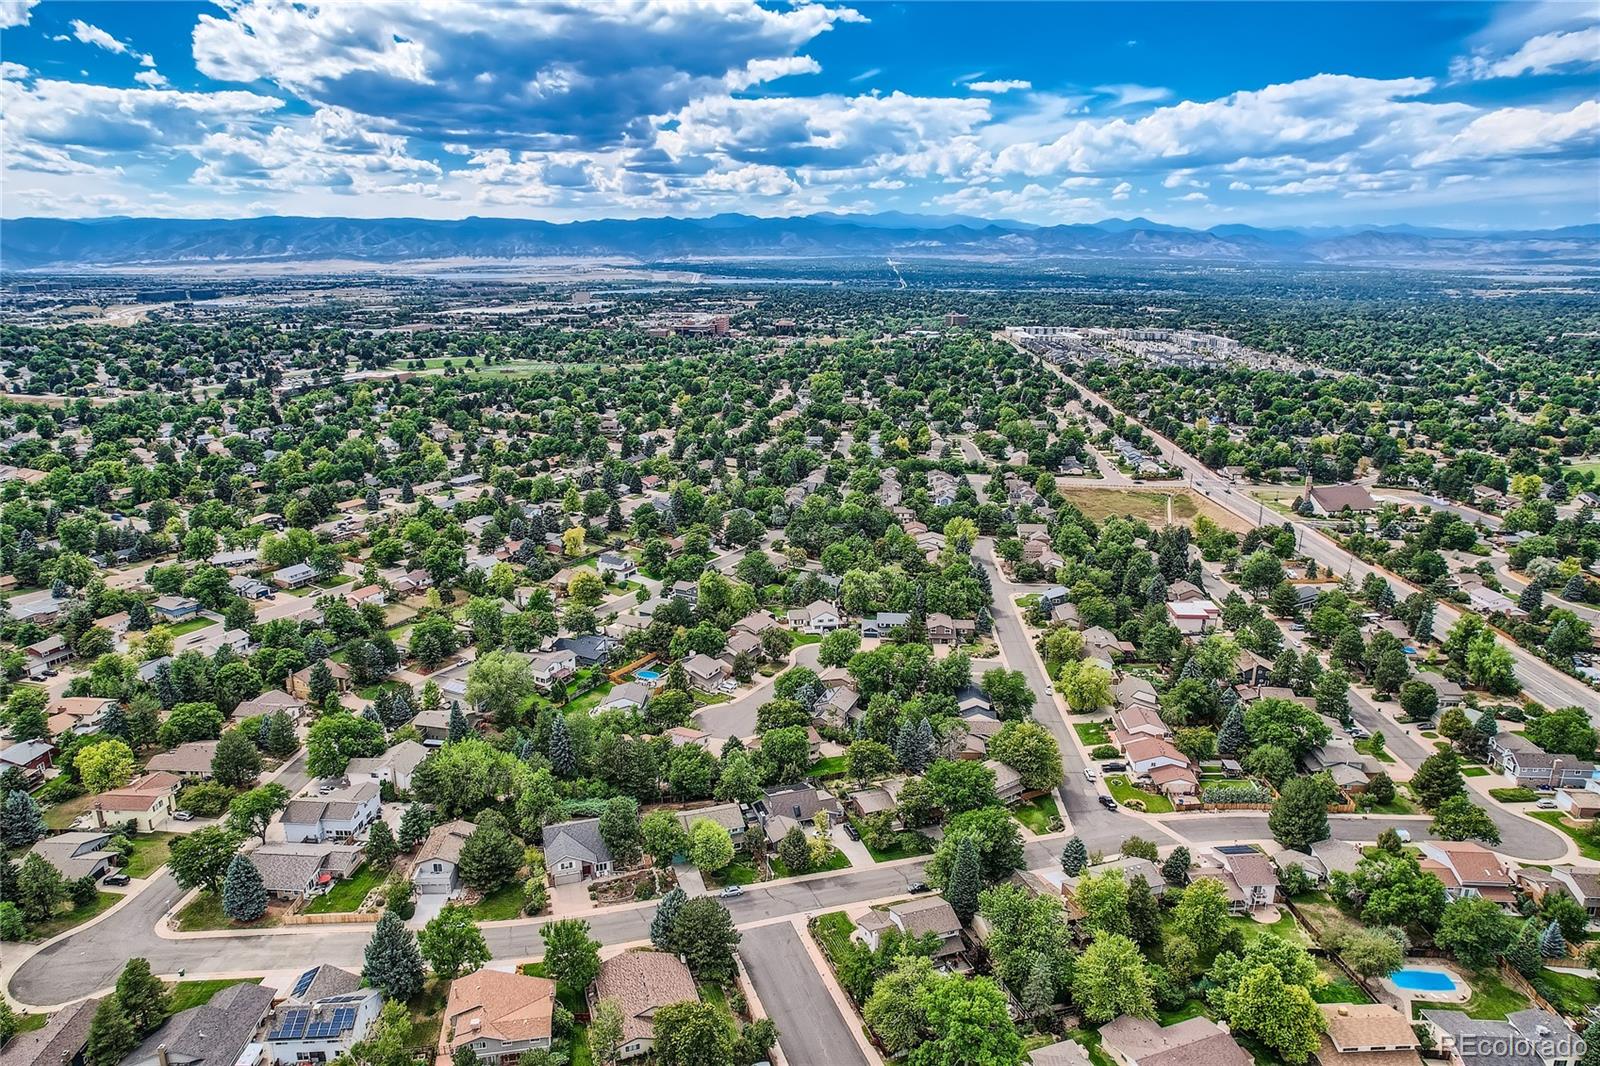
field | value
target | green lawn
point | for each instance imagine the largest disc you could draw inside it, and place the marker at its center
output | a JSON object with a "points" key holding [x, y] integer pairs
{"points": [[833, 930], [836, 861], [713, 994], [1189, 1008], [832, 766], [741, 871], [1093, 734], [1336, 987], [186, 994], [1474, 771], [205, 912], [1586, 843], [907, 844], [1491, 998], [500, 905], [150, 853], [427, 1013], [802, 639], [65, 920], [1285, 927], [370, 692], [1365, 748], [578, 1043], [1516, 794], [27, 1023], [180, 628], [345, 896], [1570, 993], [1038, 814], [587, 702], [1122, 791]]}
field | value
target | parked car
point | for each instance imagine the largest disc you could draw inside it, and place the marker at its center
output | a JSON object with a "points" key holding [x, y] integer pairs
{"points": [[918, 887], [116, 879], [183, 816], [851, 831], [732, 891], [1088, 773], [1545, 803], [1108, 803], [1111, 766]]}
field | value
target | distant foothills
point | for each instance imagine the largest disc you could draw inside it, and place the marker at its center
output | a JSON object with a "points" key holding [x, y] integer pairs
{"points": [[45, 244]]}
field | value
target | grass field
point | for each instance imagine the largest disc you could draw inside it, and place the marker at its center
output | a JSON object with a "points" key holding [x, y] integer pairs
{"points": [[500, 905], [345, 896], [204, 912], [1491, 998], [741, 871], [833, 930], [1038, 814], [1093, 734], [190, 626], [907, 844], [1124, 792], [832, 766], [186, 994], [150, 853], [1149, 504]]}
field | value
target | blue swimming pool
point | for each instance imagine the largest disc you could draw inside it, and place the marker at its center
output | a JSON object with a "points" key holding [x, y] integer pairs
{"points": [[648, 675], [1423, 980]]}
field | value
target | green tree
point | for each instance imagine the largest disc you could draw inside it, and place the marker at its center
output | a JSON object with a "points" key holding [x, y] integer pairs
{"points": [[969, 1025], [1437, 779], [393, 965], [111, 1035], [244, 897], [572, 958], [1300, 816], [415, 824], [1110, 980], [710, 845], [1475, 930], [382, 848], [1074, 857], [692, 1034], [619, 828], [703, 932], [491, 856], [335, 739], [250, 813], [663, 836], [605, 1032], [104, 765], [1282, 1016], [452, 944], [1458, 818], [39, 888], [21, 822], [237, 761], [201, 859], [1029, 749], [142, 996], [1202, 914], [666, 915], [965, 881], [1103, 897]]}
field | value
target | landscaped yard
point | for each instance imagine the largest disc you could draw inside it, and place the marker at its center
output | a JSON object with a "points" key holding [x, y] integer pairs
{"points": [[427, 1013], [907, 844], [62, 815], [1285, 927], [1336, 987], [1491, 997], [1586, 844], [150, 853], [1093, 734], [370, 692], [346, 895], [190, 626], [1038, 814], [832, 766], [204, 912], [741, 871], [587, 702], [186, 994], [1516, 794], [1399, 805], [1124, 792], [500, 905], [836, 861], [833, 930], [1474, 771], [65, 920], [1571, 993], [1382, 754]]}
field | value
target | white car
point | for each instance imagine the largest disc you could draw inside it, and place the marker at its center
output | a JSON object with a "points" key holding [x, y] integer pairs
{"points": [[1546, 804], [1088, 773], [732, 891]]}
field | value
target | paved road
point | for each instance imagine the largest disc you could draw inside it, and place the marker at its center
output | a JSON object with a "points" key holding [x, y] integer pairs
{"points": [[811, 1030], [1539, 679], [1100, 829], [737, 717]]}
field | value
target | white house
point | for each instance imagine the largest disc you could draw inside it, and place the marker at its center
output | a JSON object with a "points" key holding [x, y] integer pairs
{"points": [[394, 766], [339, 815], [817, 617], [327, 1011], [1192, 617], [434, 869]]}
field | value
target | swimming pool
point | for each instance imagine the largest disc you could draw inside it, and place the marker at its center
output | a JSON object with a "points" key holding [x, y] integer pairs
{"points": [[648, 675], [1423, 980]]}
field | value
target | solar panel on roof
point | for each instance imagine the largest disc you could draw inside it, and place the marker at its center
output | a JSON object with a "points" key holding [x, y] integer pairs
{"points": [[292, 1026], [304, 982]]}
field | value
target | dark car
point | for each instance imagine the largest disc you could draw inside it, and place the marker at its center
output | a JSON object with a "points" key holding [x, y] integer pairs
{"points": [[918, 887], [1112, 766], [117, 880], [1108, 803], [851, 831]]}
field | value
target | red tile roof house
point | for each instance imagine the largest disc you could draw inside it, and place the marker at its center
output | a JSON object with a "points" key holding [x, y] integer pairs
{"points": [[1469, 869], [1167, 767]]}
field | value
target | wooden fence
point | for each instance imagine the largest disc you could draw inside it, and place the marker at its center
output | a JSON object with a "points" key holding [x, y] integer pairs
{"points": [[336, 918]]}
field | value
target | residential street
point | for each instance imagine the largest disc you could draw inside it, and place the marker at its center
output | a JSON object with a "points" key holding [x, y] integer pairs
{"points": [[811, 1030]]}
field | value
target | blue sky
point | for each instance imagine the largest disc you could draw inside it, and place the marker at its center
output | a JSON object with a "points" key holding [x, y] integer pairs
{"points": [[1470, 115]]}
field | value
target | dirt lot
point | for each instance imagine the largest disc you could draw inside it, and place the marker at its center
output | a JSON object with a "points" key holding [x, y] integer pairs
{"points": [[1151, 505]]}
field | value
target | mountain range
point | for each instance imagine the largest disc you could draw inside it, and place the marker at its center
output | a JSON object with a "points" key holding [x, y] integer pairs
{"points": [[46, 244]]}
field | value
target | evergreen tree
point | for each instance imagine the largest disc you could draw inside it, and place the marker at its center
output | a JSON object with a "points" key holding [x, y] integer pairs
{"points": [[142, 996], [965, 881], [414, 826], [666, 914], [1524, 955], [381, 845], [244, 897], [20, 821], [1175, 871], [278, 737], [1532, 598], [1144, 914], [459, 729], [138, 615], [1422, 628], [166, 688], [321, 684], [563, 761], [1552, 944], [114, 723], [1576, 589], [393, 965], [111, 1035], [1074, 857], [1039, 991], [1231, 738]]}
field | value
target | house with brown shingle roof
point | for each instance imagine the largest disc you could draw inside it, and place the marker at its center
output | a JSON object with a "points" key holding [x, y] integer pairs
{"points": [[434, 869], [1469, 869], [1131, 1041], [641, 983], [498, 1015], [146, 801], [1367, 1034]]}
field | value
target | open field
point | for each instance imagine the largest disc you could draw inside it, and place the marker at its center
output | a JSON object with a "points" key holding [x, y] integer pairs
{"points": [[1150, 505]]}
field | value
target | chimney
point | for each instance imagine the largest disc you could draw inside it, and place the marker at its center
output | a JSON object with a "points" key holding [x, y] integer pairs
{"points": [[161, 1055], [100, 823]]}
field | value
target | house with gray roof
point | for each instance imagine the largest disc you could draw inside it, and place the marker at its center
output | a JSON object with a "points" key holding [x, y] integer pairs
{"points": [[434, 869], [327, 1011], [212, 1034], [574, 851], [339, 815], [1525, 1038], [59, 1043], [77, 854], [295, 871]]}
